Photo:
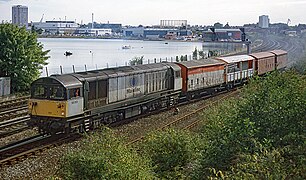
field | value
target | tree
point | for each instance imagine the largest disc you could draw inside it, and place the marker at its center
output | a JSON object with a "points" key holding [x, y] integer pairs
{"points": [[136, 60], [21, 56], [195, 54], [218, 25], [201, 54]]}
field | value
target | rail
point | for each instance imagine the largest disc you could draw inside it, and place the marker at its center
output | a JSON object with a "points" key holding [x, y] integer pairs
{"points": [[187, 116]]}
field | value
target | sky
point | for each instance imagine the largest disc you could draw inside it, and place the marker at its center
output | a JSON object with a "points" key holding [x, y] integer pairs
{"points": [[150, 12]]}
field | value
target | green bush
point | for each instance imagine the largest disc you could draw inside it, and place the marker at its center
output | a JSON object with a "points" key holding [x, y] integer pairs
{"points": [[105, 157], [171, 151], [276, 107], [270, 115]]}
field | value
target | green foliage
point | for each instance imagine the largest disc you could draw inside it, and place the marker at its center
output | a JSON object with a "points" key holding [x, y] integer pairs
{"points": [[260, 135], [195, 54], [276, 105], [136, 61], [105, 157], [300, 66], [21, 56], [202, 54], [171, 151], [218, 25], [213, 53]]}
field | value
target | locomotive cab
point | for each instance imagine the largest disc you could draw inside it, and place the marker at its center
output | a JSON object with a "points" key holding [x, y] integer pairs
{"points": [[56, 96]]}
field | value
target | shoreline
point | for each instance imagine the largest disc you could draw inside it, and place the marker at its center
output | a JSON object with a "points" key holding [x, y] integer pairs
{"points": [[115, 38]]}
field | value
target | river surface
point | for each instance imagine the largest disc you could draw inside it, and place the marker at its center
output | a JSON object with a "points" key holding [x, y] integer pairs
{"points": [[102, 53]]}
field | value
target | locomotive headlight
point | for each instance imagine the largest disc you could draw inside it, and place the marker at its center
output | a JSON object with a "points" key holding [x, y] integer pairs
{"points": [[63, 113]]}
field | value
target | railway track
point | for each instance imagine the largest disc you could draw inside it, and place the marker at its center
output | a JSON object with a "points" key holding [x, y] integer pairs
{"points": [[9, 102], [189, 118], [13, 115], [20, 150], [13, 126]]}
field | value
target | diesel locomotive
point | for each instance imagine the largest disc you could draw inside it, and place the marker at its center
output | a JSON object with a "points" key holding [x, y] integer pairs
{"points": [[84, 100]]}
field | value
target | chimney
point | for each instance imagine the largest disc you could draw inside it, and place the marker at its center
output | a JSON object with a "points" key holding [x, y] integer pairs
{"points": [[92, 21]]}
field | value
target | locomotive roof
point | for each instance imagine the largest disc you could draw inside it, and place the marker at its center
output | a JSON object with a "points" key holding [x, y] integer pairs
{"points": [[235, 59], [261, 55], [66, 80], [118, 71], [201, 63], [279, 52]]}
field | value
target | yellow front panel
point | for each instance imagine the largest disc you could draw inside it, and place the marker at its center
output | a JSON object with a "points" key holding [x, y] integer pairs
{"points": [[47, 108]]}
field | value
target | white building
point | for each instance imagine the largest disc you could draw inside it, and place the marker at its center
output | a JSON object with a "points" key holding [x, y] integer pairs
{"points": [[93, 31], [264, 21], [57, 27], [20, 15]]}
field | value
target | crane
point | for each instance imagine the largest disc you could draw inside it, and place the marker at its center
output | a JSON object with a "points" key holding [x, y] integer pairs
{"points": [[42, 17]]}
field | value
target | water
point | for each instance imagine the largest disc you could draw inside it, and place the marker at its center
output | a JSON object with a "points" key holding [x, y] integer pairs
{"points": [[102, 53]]}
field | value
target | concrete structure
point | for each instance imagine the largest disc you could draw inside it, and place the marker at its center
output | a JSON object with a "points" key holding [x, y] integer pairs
{"points": [[93, 32], [20, 15], [57, 27], [5, 86], [264, 21]]}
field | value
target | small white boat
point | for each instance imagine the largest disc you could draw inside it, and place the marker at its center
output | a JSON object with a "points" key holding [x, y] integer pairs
{"points": [[68, 53], [126, 47]]}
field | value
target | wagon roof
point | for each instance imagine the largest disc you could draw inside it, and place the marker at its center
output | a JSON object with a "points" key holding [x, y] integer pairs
{"points": [[278, 52], [201, 63], [261, 55], [235, 59]]}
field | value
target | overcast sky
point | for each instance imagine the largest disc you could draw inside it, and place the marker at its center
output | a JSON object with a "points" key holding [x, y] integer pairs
{"points": [[150, 12]]}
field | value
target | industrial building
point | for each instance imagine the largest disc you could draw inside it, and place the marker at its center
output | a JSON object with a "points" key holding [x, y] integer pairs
{"points": [[93, 32], [213, 34], [155, 33], [20, 15], [116, 28], [134, 32], [264, 21], [57, 27]]}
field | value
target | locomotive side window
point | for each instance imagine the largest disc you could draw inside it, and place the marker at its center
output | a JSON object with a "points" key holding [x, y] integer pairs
{"points": [[73, 93], [177, 74]]}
